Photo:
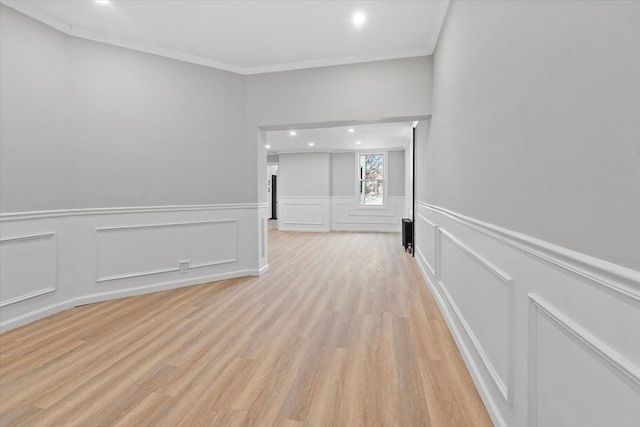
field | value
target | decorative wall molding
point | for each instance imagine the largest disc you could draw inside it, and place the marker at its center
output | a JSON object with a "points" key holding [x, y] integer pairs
{"points": [[606, 313], [176, 268], [348, 216], [485, 394], [622, 281], [51, 287], [598, 349], [321, 222], [234, 230], [21, 216], [503, 385], [304, 213], [434, 269], [35, 314], [48, 310]]}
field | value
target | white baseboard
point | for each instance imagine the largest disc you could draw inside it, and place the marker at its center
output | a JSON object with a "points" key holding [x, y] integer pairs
{"points": [[306, 230], [539, 366], [156, 287], [34, 315], [259, 272], [368, 229]]}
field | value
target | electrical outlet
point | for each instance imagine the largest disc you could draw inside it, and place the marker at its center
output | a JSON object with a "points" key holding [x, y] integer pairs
{"points": [[184, 265]]}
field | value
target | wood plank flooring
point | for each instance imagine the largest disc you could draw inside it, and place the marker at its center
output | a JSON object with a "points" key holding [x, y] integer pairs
{"points": [[342, 331]]}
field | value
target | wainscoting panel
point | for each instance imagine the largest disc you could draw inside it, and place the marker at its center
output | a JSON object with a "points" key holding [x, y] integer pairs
{"points": [[139, 250], [29, 267], [52, 261], [347, 216], [304, 214], [480, 296], [573, 373], [427, 233], [551, 337]]}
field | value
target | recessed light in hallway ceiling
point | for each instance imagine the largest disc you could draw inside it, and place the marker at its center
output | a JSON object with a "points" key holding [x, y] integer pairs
{"points": [[378, 136], [358, 19]]}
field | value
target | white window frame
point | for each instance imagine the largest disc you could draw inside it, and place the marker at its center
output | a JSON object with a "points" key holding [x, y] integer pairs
{"points": [[385, 179]]}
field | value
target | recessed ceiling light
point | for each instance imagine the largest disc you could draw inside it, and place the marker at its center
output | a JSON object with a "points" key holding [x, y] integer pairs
{"points": [[352, 130], [267, 146], [292, 133], [102, 1], [311, 144], [358, 19], [358, 142]]}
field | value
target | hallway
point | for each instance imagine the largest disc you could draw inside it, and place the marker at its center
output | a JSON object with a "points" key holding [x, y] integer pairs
{"points": [[341, 331]]}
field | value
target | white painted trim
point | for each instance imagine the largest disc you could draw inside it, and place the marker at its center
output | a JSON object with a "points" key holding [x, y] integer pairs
{"points": [[259, 272], [169, 224], [20, 216], [627, 370], [364, 230], [435, 269], [24, 297], [622, 281], [263, 237], [345, 60], [485, 394], [101, 279], [43, 291], [424, 260], [503, 386], [334, 150], [173, 284], [305, 230], [473, 254], [304, 198], [366, 213], [200, 60], [32, 316]]}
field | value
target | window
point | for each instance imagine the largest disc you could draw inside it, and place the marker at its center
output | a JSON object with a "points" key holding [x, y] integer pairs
{"points": [[371, 184]]}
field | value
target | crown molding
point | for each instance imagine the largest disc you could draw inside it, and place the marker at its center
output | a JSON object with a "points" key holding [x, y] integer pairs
{"points": [[200, 60], [329, 62]]}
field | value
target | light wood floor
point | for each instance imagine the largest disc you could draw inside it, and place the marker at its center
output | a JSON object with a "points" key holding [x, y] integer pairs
{"points": [[342, 331]]}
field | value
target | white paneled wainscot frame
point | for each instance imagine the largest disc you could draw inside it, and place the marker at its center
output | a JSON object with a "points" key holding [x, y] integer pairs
{"points": [[338, 213], [551, 336], [348, 216], [55, 260], [304, 214], [29, 267]]}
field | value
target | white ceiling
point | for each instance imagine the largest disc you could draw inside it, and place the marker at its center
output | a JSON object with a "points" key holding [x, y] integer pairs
{"points": [[251, 36], [381, 136]]}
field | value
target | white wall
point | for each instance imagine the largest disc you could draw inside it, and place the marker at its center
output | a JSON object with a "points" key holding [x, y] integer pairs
{"points": [[304, 187], [87, 125], [317, 192], [303, 175], [343, 174], [424, 162], [384, 89], [36, 166], [395, 174], [173, 131], [527, 220], [535, 126]]}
